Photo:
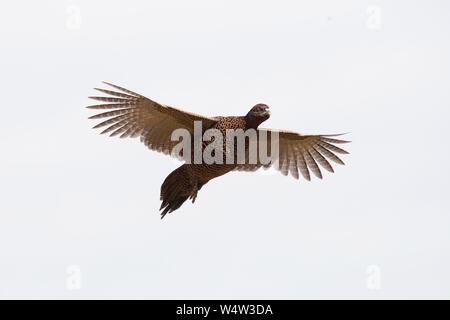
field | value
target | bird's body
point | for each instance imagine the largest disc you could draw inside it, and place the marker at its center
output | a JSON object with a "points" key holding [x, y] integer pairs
{"points": [[193, 176], [133, 115]]}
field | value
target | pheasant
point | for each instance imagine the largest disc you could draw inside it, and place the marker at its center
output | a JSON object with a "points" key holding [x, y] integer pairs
{"points": [[133, 115]]}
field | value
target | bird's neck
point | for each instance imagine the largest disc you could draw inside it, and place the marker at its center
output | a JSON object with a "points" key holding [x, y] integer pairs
{"points": [[251, 122]]}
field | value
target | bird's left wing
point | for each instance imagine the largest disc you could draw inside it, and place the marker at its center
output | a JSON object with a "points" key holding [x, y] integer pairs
{"points": [[299, 152], [133, 115]]}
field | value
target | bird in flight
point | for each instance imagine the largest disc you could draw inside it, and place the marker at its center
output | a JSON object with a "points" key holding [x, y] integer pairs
{"points": [[133, 115]]}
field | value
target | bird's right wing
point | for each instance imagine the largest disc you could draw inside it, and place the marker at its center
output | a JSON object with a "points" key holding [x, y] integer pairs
{"points": [[299, 152], [133, 115]]}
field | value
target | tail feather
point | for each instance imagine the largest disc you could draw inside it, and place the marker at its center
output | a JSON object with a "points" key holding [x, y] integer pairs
{"points": [[175, 190]]}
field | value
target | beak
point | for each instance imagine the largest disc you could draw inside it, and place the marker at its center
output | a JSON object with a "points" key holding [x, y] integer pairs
{"points": [[266, 111]]}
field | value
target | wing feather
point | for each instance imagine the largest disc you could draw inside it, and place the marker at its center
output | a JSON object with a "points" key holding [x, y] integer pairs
{"points": [[320, 159], [312, 164], [293, 167], [330, 155], [302, 153], [133, 115]]}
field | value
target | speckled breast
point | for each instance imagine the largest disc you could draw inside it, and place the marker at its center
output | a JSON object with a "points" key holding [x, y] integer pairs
{"points": [[205, 172]]}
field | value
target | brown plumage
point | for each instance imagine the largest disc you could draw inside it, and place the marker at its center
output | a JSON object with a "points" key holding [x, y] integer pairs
{"points": [[132, 115]]}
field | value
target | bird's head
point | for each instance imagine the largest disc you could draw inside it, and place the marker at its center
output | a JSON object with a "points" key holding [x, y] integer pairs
{"points": [[257, 115]]}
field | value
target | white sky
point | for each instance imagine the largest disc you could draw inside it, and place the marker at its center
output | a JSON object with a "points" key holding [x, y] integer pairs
{"points": [[72, 197]]}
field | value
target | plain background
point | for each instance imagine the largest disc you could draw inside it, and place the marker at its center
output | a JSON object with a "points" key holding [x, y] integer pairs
{"points": [[74, 200]]}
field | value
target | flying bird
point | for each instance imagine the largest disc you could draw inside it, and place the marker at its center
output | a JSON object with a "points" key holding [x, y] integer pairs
{"points": [[133, 115]]}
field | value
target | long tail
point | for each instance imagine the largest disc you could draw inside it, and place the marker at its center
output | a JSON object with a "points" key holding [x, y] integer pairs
{"points": [[175, 190]]}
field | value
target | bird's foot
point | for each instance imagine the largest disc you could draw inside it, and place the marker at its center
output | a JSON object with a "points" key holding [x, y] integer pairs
{"points": [[194, 193]]}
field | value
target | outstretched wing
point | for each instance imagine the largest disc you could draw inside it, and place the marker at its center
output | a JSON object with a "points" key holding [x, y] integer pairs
{"points": [[302, 153], [133, 115]]}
